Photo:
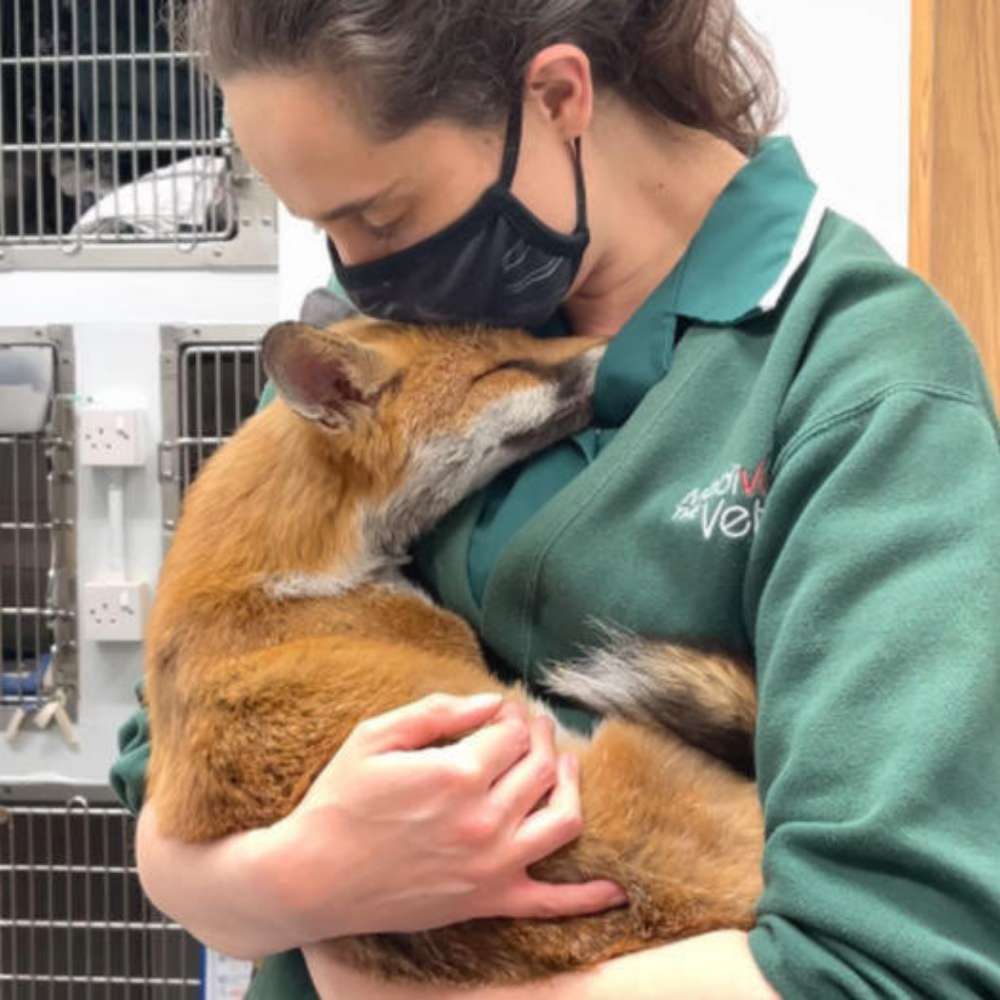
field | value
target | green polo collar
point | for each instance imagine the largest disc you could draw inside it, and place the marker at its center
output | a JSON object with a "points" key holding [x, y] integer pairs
{"points": [[749, 246]]}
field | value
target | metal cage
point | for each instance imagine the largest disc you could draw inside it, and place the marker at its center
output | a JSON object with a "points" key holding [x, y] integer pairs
{"points": [[38, 661], [211, 382], [74, 921], [113, 147]]}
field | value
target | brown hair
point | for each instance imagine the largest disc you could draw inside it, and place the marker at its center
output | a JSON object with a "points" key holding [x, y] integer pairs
{"points": [[694, 62]]}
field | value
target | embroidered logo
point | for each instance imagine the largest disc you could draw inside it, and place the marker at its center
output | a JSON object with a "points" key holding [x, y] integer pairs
{"points": [[731, 507]]}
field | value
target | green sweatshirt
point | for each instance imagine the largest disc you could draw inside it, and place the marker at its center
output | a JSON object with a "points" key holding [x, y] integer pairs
{"points": [[794, 455]]}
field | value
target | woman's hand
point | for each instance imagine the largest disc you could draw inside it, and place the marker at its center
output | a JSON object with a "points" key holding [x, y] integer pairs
{"points": [[398, 835]]}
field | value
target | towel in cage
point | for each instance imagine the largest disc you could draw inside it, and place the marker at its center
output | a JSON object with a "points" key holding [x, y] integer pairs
{"points": [[176, 200], [27, 683]]}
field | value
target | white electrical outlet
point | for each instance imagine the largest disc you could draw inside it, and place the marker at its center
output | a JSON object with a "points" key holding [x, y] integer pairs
{"points": [[110, 437], [115, 611]]}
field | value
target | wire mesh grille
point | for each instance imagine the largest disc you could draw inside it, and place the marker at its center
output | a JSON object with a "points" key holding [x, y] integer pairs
{"points": [[219, 386], [74, 922], [37, 661], [109, 132]]}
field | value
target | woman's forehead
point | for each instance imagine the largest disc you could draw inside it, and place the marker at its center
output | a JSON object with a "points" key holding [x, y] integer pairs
{"points": [[306, 141]]}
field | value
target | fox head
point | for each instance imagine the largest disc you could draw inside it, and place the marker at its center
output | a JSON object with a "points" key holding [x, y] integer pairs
{"points": [[427, 415]]}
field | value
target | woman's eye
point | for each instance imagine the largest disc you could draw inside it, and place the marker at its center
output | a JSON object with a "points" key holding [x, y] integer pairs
{"points": [[383, 232]]}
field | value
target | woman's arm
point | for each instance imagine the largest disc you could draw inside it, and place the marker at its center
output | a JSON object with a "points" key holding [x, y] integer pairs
{"points": [[223, 892], [390, 837], [715, 966]]}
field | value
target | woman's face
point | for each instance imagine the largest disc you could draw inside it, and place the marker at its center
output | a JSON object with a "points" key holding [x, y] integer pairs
{"points": [[374, 198]]}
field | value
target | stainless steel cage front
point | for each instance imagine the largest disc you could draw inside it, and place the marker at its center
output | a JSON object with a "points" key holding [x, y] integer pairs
{"points": [[113, 147], [38, 654], [74, 922], [211, 381]]}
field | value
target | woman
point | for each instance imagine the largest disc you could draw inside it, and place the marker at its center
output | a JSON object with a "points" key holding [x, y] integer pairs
{"points": [[794, 454]]}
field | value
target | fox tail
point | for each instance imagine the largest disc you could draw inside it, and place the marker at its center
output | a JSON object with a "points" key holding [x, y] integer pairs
{"points": [[707, 698]]}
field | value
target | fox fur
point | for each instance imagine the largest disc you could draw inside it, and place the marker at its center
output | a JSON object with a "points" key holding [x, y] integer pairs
{"points": [[282, 620]]}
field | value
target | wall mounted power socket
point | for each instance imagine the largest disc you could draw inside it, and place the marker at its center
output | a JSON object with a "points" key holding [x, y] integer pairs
{"points": [[115, 611], [111, 438]]}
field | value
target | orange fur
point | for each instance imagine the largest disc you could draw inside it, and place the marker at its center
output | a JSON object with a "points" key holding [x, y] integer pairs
{"points": [[250, 695]]}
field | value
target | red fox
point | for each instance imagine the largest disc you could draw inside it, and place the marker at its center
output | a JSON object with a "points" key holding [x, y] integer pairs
{"points": [[282, 620]]}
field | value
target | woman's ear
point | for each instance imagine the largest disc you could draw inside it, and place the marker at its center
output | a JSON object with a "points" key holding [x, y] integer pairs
{"points": [[559, 79], [324, 375]]}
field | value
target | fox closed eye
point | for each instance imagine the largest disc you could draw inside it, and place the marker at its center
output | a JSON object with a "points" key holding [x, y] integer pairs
{"points": [[520, 366]]}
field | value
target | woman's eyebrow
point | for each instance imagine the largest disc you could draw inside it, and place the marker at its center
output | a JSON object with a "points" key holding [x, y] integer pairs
{"points": [[354, 207]]}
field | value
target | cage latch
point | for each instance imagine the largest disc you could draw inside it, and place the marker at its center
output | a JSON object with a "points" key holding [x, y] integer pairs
{"points": [[165, 461]]}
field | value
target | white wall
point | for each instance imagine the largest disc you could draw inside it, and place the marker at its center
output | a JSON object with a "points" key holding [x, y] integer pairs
{"points": [[845, 67]]}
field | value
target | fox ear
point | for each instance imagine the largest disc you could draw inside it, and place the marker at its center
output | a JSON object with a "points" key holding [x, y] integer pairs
{"points": [[324, 375]]}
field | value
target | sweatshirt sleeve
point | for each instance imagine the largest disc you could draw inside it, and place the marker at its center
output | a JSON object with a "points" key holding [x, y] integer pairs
{"points": [[873, 596], [128, 773]]}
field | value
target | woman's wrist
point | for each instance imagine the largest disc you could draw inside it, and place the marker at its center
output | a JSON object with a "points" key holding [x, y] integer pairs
{"points": [[293, 867]]}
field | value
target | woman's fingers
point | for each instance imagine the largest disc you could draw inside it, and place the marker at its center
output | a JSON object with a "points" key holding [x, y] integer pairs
{"points": [[556, 823], [540, 900], [436, 717], [479, 759], [517, 792]]}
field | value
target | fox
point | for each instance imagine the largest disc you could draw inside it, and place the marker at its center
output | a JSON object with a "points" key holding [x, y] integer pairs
{"points": [[283, 619]]}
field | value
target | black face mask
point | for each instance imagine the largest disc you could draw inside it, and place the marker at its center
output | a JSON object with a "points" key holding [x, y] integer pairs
{"points": [[498, 264]]}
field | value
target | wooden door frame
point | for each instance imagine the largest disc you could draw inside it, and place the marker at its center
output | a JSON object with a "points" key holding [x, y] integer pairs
{"points": [[955, 163]]}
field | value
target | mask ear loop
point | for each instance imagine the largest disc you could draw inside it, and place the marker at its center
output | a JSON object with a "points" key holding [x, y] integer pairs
{"points": [[581, 187], [511, 144], [512, 150]]}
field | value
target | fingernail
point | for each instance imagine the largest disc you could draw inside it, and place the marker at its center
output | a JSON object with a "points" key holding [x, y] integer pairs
{"points": [[478, 701], [619, 898]]}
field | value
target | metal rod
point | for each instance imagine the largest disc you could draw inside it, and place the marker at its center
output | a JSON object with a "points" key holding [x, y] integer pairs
{"points": [[104, 146], [116, 158], [3, 158], [72, 869], [19, 119], [32, 933], [95, 78], [172, 90], [199, 423], [39, 163], [154, 100], [18, 602], [36, 562], [106, 885], [116, 522], [13, 890], [50, 888], [126, 871], [171, 981], [57, 164], [175, 55], [75, 244], [55, 924], [134, 97], [219, 432], [197, 160]]}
